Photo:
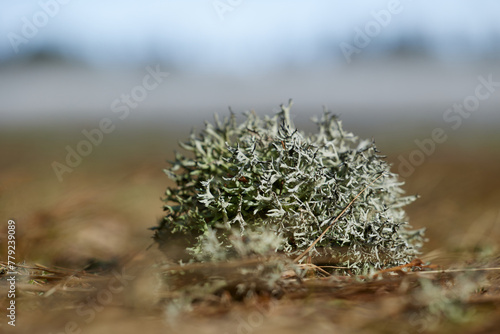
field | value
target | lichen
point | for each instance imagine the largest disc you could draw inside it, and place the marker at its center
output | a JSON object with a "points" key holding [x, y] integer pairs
{"points": [[264, 173]]}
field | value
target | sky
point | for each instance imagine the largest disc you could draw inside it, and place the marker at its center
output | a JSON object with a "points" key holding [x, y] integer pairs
{"points": [[238, 35], [246, 54]]}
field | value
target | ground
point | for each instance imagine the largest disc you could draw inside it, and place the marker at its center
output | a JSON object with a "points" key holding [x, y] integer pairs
{"points": [[85, 265]]}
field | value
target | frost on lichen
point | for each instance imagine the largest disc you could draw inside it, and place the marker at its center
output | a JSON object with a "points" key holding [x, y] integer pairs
{"points": [[266, 174]]}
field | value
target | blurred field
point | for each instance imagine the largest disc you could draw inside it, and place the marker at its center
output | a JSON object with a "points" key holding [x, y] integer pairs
{"points": [[97, 219]]}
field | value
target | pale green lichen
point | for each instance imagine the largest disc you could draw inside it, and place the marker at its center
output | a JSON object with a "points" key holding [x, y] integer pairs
{"points": [[266, 174]]}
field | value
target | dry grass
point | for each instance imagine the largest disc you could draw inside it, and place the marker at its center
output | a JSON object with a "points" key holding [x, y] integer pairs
{"points": [[86, 266]]}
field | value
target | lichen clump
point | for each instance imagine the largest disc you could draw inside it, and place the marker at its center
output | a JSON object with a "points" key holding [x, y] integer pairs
{"points": [[266, 174]]}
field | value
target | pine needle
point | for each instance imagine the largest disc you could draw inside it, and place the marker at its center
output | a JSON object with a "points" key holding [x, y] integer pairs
{"points": [[297, 259]]}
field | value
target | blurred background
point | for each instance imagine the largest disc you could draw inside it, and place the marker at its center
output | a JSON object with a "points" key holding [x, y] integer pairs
{"points": [[132, 78]]}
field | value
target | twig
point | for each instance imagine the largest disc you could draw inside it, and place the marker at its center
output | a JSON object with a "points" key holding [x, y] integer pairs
{"points": [[446, 271], [315, 267], [335, 220]]}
